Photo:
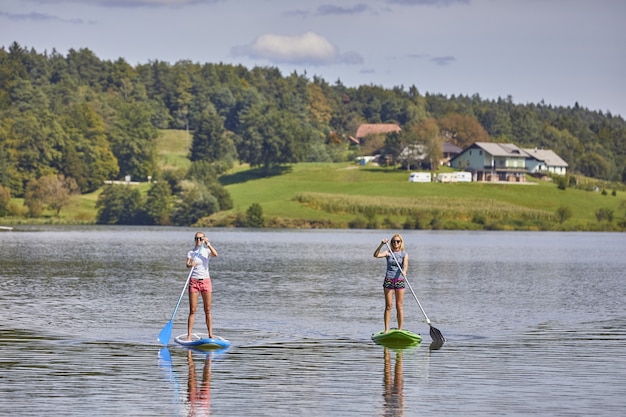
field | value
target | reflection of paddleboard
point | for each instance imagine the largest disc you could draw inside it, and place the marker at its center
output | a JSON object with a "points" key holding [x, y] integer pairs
{"points": [[396, 338], [202, 342]]}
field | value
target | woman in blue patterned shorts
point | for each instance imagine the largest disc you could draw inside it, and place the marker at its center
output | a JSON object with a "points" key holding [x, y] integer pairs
{"points": [[394, 282]]}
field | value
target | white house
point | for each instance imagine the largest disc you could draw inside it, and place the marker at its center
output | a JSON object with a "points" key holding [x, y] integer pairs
{"points": [[493, 161], [545, 161], [506, 162]]}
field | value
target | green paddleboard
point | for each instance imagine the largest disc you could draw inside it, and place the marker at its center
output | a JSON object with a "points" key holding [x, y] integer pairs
{"points": [[396, 338]]}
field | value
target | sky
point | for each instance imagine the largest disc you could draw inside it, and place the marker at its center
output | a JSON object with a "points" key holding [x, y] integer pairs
{"points": [[559, 52]]}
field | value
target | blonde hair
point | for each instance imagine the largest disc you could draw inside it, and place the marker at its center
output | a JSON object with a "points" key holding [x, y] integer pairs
{"points": [[399, 236]]}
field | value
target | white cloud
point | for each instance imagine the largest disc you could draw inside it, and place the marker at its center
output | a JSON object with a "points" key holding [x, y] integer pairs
{"points": [[308, 48]]}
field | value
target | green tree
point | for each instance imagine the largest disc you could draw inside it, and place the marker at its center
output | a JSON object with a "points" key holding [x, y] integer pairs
{"points": [[318, 107], [563, 213], [271, 137], [205, 173], [592, 164], [605, 214], [526, 126], [53, 191], [159, 203], [5, 198], [421, 144], [194, 203], [36, 138], [496, 121], [180, 95], [462, 130], [133, 139], [566, 145], [119, 204], [254, 216], [83, 65], [211, 142], [87, 153]]}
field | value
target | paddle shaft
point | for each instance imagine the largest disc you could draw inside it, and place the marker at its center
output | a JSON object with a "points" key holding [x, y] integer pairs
{"points": [[408, 283], [182, 293]]}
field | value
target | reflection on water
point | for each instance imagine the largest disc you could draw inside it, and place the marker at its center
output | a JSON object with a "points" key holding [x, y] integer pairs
{"points": [[534, 324], [199, 392], [393, 384], [196, 401]]}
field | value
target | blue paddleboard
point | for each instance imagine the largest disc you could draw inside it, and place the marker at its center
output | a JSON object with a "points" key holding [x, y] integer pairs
{"points": [[202, 342]]}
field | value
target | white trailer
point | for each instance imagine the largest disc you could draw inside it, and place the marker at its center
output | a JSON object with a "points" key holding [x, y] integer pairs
{"points": [[445, 177], [461, 176], [420, 177]]}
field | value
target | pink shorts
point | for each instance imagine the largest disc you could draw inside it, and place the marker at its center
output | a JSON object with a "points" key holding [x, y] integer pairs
{"points": [[200, 285]]}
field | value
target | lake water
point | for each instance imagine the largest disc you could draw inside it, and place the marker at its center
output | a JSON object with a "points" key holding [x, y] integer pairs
{"points": [[535, 324]]}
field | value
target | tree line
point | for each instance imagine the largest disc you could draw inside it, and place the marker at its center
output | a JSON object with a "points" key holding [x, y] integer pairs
{"points": [[83, 120]]}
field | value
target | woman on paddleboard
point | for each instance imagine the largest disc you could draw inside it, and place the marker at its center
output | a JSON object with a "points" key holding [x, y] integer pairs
{"points": [[200, 282], [394, 282]]}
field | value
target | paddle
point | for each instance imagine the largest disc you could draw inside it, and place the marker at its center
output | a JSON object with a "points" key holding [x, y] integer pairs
{"points": [[166, 333], [435, 334]]}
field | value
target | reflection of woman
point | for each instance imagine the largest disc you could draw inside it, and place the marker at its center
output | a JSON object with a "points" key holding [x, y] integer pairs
{"points": [[393, 393], [199, 399], [394, 283]]}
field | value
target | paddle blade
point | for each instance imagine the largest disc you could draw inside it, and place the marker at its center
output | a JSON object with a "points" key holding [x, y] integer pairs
{"points": [[436, 344], [166, 334], [436, 335], [164, 357]]}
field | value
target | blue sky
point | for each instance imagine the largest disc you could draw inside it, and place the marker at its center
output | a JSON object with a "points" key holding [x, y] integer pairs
{"points": [[556, 51]]}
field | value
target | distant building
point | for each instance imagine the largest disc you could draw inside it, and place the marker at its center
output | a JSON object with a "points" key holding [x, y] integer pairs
{"points": [[506, 162], [544, 161], [372, 129], [449, 152], [493, 162]]}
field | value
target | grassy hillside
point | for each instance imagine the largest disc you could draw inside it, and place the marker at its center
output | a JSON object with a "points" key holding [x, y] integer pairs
{"points": [[173, 149], [341, 195]]}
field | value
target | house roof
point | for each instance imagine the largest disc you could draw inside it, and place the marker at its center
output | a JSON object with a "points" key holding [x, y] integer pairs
{"points": [[547, 156], [450, 148], [501, 149], [367, 129], [550, 158]]}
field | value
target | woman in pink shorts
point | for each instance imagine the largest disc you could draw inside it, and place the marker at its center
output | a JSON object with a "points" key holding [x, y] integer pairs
{"points": [[394, 282], [200, 282]]}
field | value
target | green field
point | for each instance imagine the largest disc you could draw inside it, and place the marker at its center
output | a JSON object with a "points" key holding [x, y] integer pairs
{"points": [[336, 194], [342, 195]]}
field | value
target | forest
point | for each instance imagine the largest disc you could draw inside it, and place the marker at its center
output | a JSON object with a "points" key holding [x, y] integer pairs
{"points": [[74, 121]]}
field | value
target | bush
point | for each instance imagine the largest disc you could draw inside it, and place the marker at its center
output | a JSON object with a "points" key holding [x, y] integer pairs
{"points": [[479, 219], [119, 204], [254, 215], [5, 198], [390, 224], [563, 213], [358, 223], [604, 213], [561, 182]]}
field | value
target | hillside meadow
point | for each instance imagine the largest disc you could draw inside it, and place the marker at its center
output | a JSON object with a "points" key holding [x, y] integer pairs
{"points": [[344, 195], [348, 195]]}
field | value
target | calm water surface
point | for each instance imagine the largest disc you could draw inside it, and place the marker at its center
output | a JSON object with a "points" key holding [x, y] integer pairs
{"points": [[535, 324]]}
